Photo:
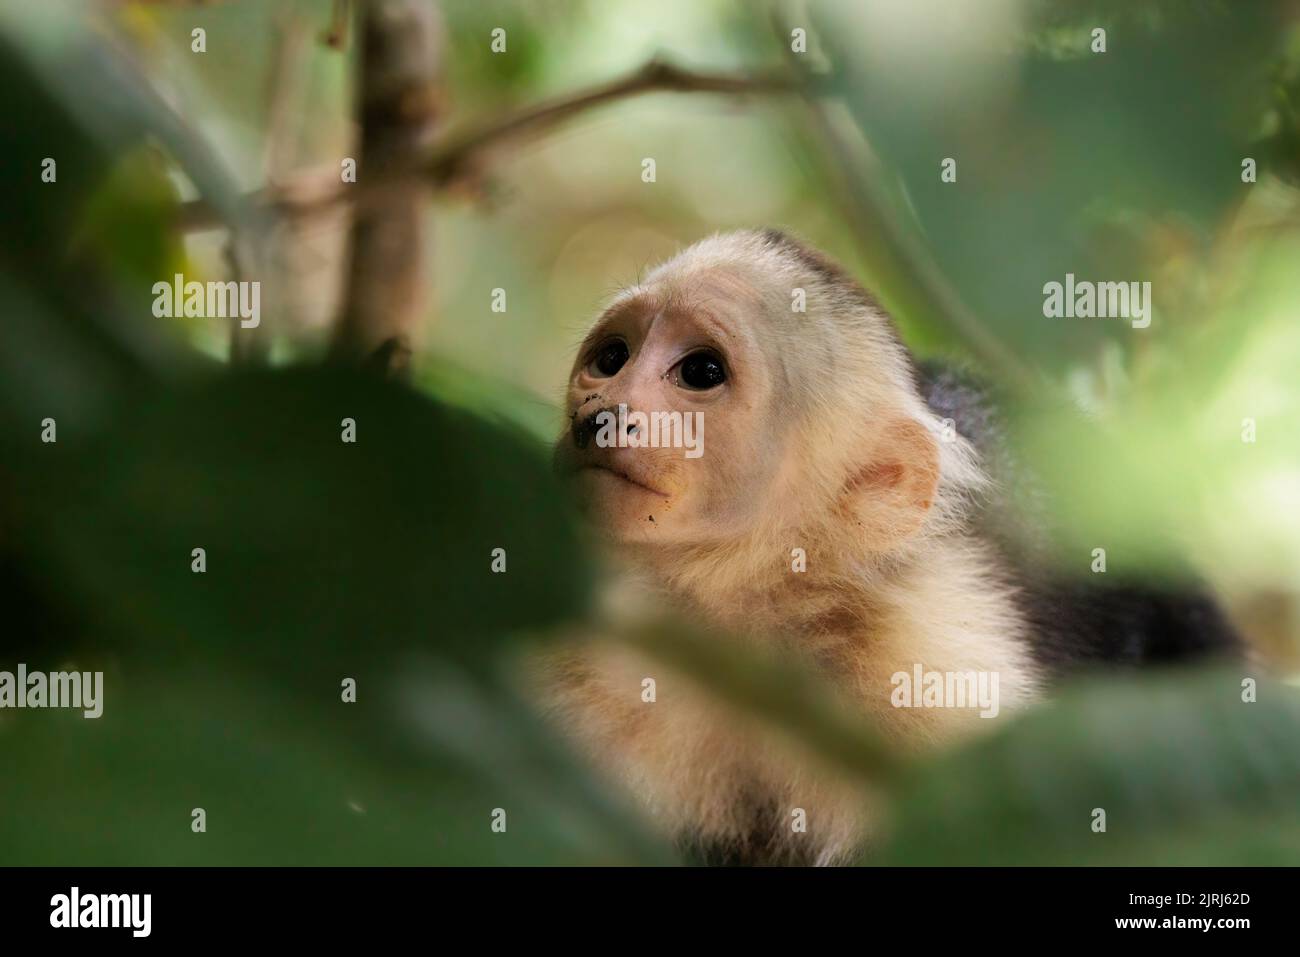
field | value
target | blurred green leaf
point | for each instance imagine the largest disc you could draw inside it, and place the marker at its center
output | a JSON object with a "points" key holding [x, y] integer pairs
{"points": [[410, 774], [315, 547], [1058, 159], [325, 560], [1187, 773]]}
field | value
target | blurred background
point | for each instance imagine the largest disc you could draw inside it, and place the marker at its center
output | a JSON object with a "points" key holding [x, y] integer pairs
{"points": [[507, 141]]}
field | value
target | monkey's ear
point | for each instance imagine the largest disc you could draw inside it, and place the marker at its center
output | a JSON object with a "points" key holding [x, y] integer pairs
{"points": [[889, 496]]}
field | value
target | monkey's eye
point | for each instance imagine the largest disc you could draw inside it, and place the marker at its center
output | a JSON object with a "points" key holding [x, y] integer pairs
{"points": [[701, 370], [609, 358]]}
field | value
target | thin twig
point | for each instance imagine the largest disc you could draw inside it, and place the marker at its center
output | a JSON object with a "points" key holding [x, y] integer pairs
{"points": [[884, 241], [656, 76], [453, 155]]}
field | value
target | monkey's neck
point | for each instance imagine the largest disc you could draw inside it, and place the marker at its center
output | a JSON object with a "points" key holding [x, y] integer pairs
{"points": [[861, 620], [948, 586], [750, 586]]}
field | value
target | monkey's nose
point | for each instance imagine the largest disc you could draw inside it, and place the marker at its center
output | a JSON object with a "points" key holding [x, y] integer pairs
{"points": [[584, 427]]}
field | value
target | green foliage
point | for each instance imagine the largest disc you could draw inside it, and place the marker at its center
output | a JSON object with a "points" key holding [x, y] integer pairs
{"points": [[1186, 772], [409, 774], [326, 560], [1070, 165], [371, 561]]}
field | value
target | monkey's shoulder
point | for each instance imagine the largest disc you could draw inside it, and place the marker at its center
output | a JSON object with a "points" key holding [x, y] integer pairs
{"points": [[1077, 619]]}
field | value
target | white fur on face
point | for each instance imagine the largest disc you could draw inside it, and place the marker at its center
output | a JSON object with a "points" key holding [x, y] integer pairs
{"points": [[663, 494], [807, 396]]}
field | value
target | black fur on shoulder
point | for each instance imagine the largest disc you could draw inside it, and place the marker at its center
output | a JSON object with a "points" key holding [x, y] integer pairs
{"points": [[1081, 624], [1079, 621]]}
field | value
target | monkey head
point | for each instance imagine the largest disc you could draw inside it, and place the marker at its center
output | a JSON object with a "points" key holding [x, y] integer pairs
{"points": [[749, 389]]}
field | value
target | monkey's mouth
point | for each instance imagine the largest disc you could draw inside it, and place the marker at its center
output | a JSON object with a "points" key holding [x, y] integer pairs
{"points": [[626, 477]]}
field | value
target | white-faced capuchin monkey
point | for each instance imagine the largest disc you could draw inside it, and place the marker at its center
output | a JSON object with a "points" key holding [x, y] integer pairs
{"points": [[837, 500]]}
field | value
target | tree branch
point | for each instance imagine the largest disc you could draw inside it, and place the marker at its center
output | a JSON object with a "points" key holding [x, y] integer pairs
{"points": [[457, 152], [454, 155], [401, 47]]}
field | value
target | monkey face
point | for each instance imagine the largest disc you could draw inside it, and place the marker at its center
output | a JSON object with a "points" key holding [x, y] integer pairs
{"points": [[708, 406], [667, 404]]}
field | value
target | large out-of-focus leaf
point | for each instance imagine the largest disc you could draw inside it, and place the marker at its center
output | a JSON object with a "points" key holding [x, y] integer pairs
{"points": [[411, 773], [326, 560], [315, 547], [1185, 770]]}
